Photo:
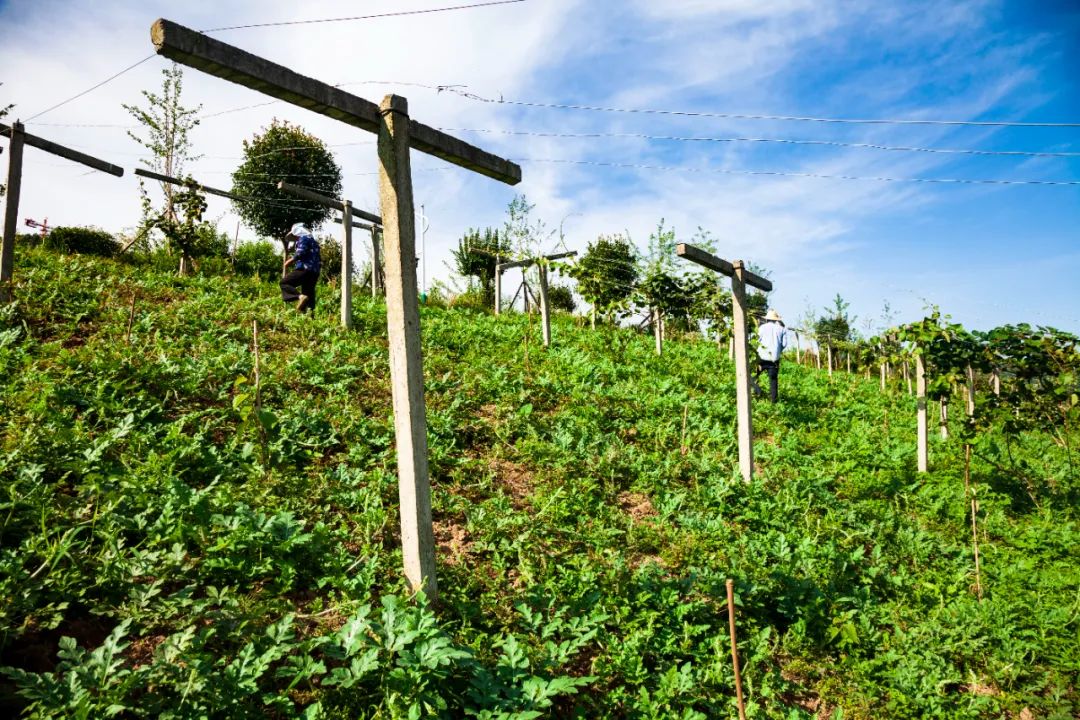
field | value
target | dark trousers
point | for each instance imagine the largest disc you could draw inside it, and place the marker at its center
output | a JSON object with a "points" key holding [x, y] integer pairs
{"points": [[772, 369], [300, 282]]}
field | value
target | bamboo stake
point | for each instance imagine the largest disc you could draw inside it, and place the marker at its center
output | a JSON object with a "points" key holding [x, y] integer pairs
{"points": [[131, 318], [734, 649], [969, 489]]}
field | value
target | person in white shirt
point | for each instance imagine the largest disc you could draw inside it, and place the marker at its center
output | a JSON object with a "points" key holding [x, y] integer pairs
{"points": [[772, 339]]}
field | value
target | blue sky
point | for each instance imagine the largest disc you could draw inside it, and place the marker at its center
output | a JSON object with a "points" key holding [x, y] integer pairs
{"points": [[986, 254]]}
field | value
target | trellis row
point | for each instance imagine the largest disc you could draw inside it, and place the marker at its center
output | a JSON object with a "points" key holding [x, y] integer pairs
{"points": [[18, 137], [397, 133], [545, 303], [740, 278], [347, 212]]}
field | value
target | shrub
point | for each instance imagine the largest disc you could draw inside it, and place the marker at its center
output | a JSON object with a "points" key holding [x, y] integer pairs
{"points": [[470, 300], [82, 240], [562, 298], [258, 258]]}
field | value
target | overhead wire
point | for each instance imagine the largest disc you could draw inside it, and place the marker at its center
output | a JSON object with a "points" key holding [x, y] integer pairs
{"points": [[397, 13], [831, 143], [91, 89], [749, 116], [823, 176]]}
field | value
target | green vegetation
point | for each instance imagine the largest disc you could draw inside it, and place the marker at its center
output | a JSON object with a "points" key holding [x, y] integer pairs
{"points": [[171, 548]]}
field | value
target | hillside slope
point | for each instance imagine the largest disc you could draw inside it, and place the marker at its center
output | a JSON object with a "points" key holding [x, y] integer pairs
{"points": [[206, 560]]}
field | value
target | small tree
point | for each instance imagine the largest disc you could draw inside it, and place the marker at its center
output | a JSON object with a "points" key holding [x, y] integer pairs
{"points": [[187, 236], [167, 125], [835, 326], [476, 256], [284, 152], [561, 297], [607, 273]]}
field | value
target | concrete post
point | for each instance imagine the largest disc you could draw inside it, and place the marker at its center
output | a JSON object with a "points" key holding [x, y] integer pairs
{"points": [[545, 306], [658, 332], [11, 210], [970, 391], [920, 400], [742, 372], [498, 289], [376, 262], [406, 359], [346, 268], [829, 351]]}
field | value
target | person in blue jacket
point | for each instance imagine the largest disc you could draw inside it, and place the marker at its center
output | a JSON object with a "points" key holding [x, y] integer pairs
{"points": [[772, 339], [298, 284]]}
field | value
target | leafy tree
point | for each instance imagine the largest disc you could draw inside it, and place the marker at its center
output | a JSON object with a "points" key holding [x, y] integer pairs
{"points": [[835, 325], [521, 233], [476, 256], [167, 125], [607, 273], [284, 152], [561, 297]]}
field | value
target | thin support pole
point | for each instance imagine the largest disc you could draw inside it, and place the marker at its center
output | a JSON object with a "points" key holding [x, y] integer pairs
{"points": [[829, 350], [11, 210], [498, 290], [545, 307], [734, 648], [131, 319], [944, 408], [743, 407], [970, 391], [346, 268], [406, 358], [920, 401]]}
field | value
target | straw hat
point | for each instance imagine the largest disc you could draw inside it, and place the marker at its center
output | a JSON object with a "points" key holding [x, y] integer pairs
{"points": [[773, 316]]}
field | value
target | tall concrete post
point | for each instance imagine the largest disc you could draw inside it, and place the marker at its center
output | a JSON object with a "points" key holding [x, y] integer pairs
{"points": [[346, 267], [406, 359], [920, 400], [11, 210], [498, 289], [742, 372], [545, 305]]}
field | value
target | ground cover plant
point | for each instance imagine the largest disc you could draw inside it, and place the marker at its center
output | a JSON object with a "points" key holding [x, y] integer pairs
{"points": [[173, 544]]}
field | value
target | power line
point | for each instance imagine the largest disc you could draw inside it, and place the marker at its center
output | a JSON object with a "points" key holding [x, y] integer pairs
{"points": [[778, 173], [745, 116], [399, 13], [95, 87], [832, 143]]}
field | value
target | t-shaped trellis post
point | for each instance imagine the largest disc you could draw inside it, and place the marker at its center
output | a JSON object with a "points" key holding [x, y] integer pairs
{"points": [[397, 133], [376, 263], [545, 304], [20, 137], [740, 278], [347, 212]]}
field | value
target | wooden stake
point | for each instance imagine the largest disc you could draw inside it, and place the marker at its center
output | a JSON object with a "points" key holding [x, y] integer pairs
{"points": [[406, 357], [734, 647], [828, 349], [944, 407], [346, 267], [545, 306], [920, 401], [882, 373], [743, 403], [847, 356], [131, 318]]}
